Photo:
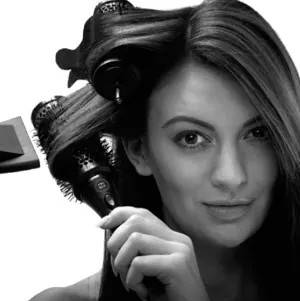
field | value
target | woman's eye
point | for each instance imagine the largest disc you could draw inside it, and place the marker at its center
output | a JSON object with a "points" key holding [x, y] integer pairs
{"points": [[260, 133], [191, 139]]}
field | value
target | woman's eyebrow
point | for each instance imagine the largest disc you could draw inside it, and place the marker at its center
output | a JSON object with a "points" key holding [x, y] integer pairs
{"points": [[183, 118]]}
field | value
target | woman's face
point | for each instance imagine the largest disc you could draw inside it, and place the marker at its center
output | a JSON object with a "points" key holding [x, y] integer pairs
{"points": [[210, 155]]}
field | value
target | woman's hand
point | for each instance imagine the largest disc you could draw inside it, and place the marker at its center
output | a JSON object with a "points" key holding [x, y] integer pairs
{"points": [[142, 245]]}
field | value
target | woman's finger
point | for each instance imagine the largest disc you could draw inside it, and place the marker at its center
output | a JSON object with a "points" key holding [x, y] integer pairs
{"points": [[113, 266], [137, 223], [145, 223], [148, 266], [171, 271], [142, 244], [118, 238], [118, 216]]}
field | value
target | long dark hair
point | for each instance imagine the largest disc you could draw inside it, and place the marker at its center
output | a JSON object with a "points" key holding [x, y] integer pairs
{"points": [[228, 35]]}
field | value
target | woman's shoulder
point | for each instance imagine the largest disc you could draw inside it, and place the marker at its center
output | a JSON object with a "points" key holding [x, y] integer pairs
{"points": [[84, 290]]}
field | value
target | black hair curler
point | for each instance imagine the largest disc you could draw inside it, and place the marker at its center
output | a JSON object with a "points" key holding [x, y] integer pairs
{"points": [[116, 74], [86, 169], [116, 78]]}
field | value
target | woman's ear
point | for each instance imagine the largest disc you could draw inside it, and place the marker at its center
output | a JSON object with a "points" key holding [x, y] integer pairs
{"points": [[136, 152]]}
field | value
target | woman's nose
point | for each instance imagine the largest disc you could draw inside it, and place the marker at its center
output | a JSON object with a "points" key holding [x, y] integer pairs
{"points": [[229, 173]]}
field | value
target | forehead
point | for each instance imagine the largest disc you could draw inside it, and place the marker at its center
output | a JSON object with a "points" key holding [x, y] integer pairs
{"points": [[203, 92]]}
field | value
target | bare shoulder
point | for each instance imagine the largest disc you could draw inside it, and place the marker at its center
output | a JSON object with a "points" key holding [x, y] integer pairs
{"points": [[84, 290]]}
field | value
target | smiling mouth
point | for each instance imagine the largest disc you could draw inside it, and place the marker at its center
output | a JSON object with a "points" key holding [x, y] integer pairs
{"points": [[233, 202], [228, 211]]}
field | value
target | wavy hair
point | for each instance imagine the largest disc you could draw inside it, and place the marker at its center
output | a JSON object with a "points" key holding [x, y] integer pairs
{"points": [[228, 35]]}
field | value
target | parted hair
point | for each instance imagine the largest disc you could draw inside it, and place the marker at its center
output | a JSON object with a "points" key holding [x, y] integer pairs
{"points": [[233, 37]]}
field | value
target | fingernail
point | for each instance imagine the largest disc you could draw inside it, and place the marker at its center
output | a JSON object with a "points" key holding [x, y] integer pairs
{"points": [[104, 221], [113, 267]]}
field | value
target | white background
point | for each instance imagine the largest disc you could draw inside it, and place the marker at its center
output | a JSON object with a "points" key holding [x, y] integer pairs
{"points": [[45, 240]]}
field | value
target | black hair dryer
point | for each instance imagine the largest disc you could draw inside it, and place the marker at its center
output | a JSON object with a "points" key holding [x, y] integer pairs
{"points": [[16, 150]]}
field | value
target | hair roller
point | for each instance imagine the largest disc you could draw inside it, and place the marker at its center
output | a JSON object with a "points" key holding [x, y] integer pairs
{"points": [[85, 170], [115, 75]]}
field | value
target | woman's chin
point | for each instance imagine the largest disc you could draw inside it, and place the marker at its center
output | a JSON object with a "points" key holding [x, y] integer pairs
{"points": [[230, 238], [229, 242]]}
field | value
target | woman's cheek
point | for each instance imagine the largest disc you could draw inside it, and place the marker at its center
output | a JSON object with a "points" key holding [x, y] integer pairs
{"points": [[179, 173], [262, 166]]}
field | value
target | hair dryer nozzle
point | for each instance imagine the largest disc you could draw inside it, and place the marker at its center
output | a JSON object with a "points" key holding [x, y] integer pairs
{"points": [[16, 150]]}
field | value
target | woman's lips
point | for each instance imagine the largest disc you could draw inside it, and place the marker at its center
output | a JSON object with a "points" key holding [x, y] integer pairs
{"points": [[228, 211]]}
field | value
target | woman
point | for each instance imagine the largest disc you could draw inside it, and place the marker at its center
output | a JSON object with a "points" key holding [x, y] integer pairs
{"points": [[207, 150]]}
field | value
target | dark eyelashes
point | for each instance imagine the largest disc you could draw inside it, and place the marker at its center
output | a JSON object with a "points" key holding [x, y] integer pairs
{"points": [[260, 129], [192, 134], [194, 139]]}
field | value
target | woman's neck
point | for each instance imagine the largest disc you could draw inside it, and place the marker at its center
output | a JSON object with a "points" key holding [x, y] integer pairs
{"points": [[226, 272]]}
